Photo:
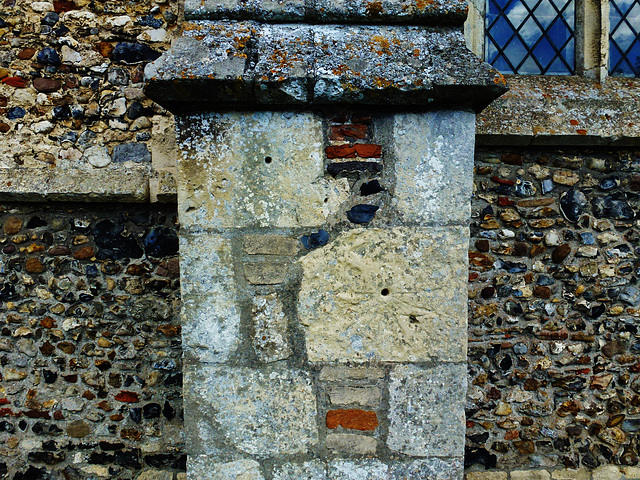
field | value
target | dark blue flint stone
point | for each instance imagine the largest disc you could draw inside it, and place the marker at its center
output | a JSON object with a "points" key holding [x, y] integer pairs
{"points": [[61, 112], [371, 188], [513, 267], [631, 425], [524, 188], [609, 183], [361, 214], [315, 240], [136, 414], [15, 113], [587, 238], [48, 56], [50, 19], [544, 280], [131, 53], [161, 242], [131, 152], [150, 21], [573, 204], [612, 207], [151, 410]]}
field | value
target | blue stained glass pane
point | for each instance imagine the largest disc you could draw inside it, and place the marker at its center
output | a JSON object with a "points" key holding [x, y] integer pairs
{"points": [[544, 52], [624, 42], [529, 35], [558, 68]]}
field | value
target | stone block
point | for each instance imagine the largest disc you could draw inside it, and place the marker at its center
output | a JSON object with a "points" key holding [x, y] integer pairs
{"points": [[339, 374], [201, 467], [270, 329], [111, 184], [426, 469], [261, 169], [266, 273], [571, 474], [204, 259], [313, 470], [631, 473], [397, 295], [355, 395], [262, 413], [607, 472], [155, 475], [530, 475], [270, 245], [487, 476], [351, 444], [211, 324], [433, 165], [426, 410]]}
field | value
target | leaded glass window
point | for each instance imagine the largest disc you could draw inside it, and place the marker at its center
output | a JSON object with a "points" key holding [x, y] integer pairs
{"points": [[531, 37], [624, 45]]}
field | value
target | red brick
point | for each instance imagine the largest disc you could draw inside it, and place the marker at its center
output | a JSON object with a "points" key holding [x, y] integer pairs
{"points": [[61, 6], [352, 419], [367, 150], [340, 151], [17, 82], [353, 130], [128, 397]]}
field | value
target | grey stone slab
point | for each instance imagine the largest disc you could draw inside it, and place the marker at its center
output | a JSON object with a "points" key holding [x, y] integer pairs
{"points": [[426, 410], [266, 273], [262, 413], [351, 444], [429, 469], [358, 470], [433, 165], [261, 169], [397, 295]]}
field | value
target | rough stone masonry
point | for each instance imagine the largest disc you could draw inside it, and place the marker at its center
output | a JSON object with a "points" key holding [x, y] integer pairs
{"points": [[324, 179]]}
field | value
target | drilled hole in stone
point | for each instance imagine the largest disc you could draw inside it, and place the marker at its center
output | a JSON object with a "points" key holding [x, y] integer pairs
{"points": [[384, 292], [268, 159]]}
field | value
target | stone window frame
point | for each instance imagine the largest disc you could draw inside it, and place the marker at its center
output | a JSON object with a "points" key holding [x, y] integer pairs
{"points": [[591, 36]]}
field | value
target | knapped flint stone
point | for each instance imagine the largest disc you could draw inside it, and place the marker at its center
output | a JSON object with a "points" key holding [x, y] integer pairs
{"points": [[479, 456], [612, 207], [61, 112], [426, 410], [630, 295], [261, 413], [48, 56], [161, 242], [50, 19], [131, 152], [15, 113], [132, 53], [47, 85], [371, 188], [573, 204], [362, 214], [561, 252]]}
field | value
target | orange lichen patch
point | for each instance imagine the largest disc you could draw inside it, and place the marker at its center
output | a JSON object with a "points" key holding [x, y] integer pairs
{"points": [[374, 8], [423, 4], [499, 79], [381, 45], [352, 419]]}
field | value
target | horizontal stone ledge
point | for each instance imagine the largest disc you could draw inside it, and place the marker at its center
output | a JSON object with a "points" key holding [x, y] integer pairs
{"points": [[129, 184], [441, 12], [572, 111], [248, 64]]}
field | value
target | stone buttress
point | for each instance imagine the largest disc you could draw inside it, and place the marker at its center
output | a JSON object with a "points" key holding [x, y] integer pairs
{"points": [[324, 185]]}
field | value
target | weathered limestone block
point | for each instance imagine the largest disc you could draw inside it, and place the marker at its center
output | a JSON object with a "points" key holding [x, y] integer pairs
{"points": [[395, 295], [426, 410], [258, 412], [351, 444], [313, 470], [270, 328], [271, 245], [202, 468], [210, 331], [434, 178], [254, 169]]}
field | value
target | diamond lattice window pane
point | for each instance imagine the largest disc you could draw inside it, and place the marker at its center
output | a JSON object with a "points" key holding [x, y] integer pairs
{"points": [[624, 44], [531, 37]]}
